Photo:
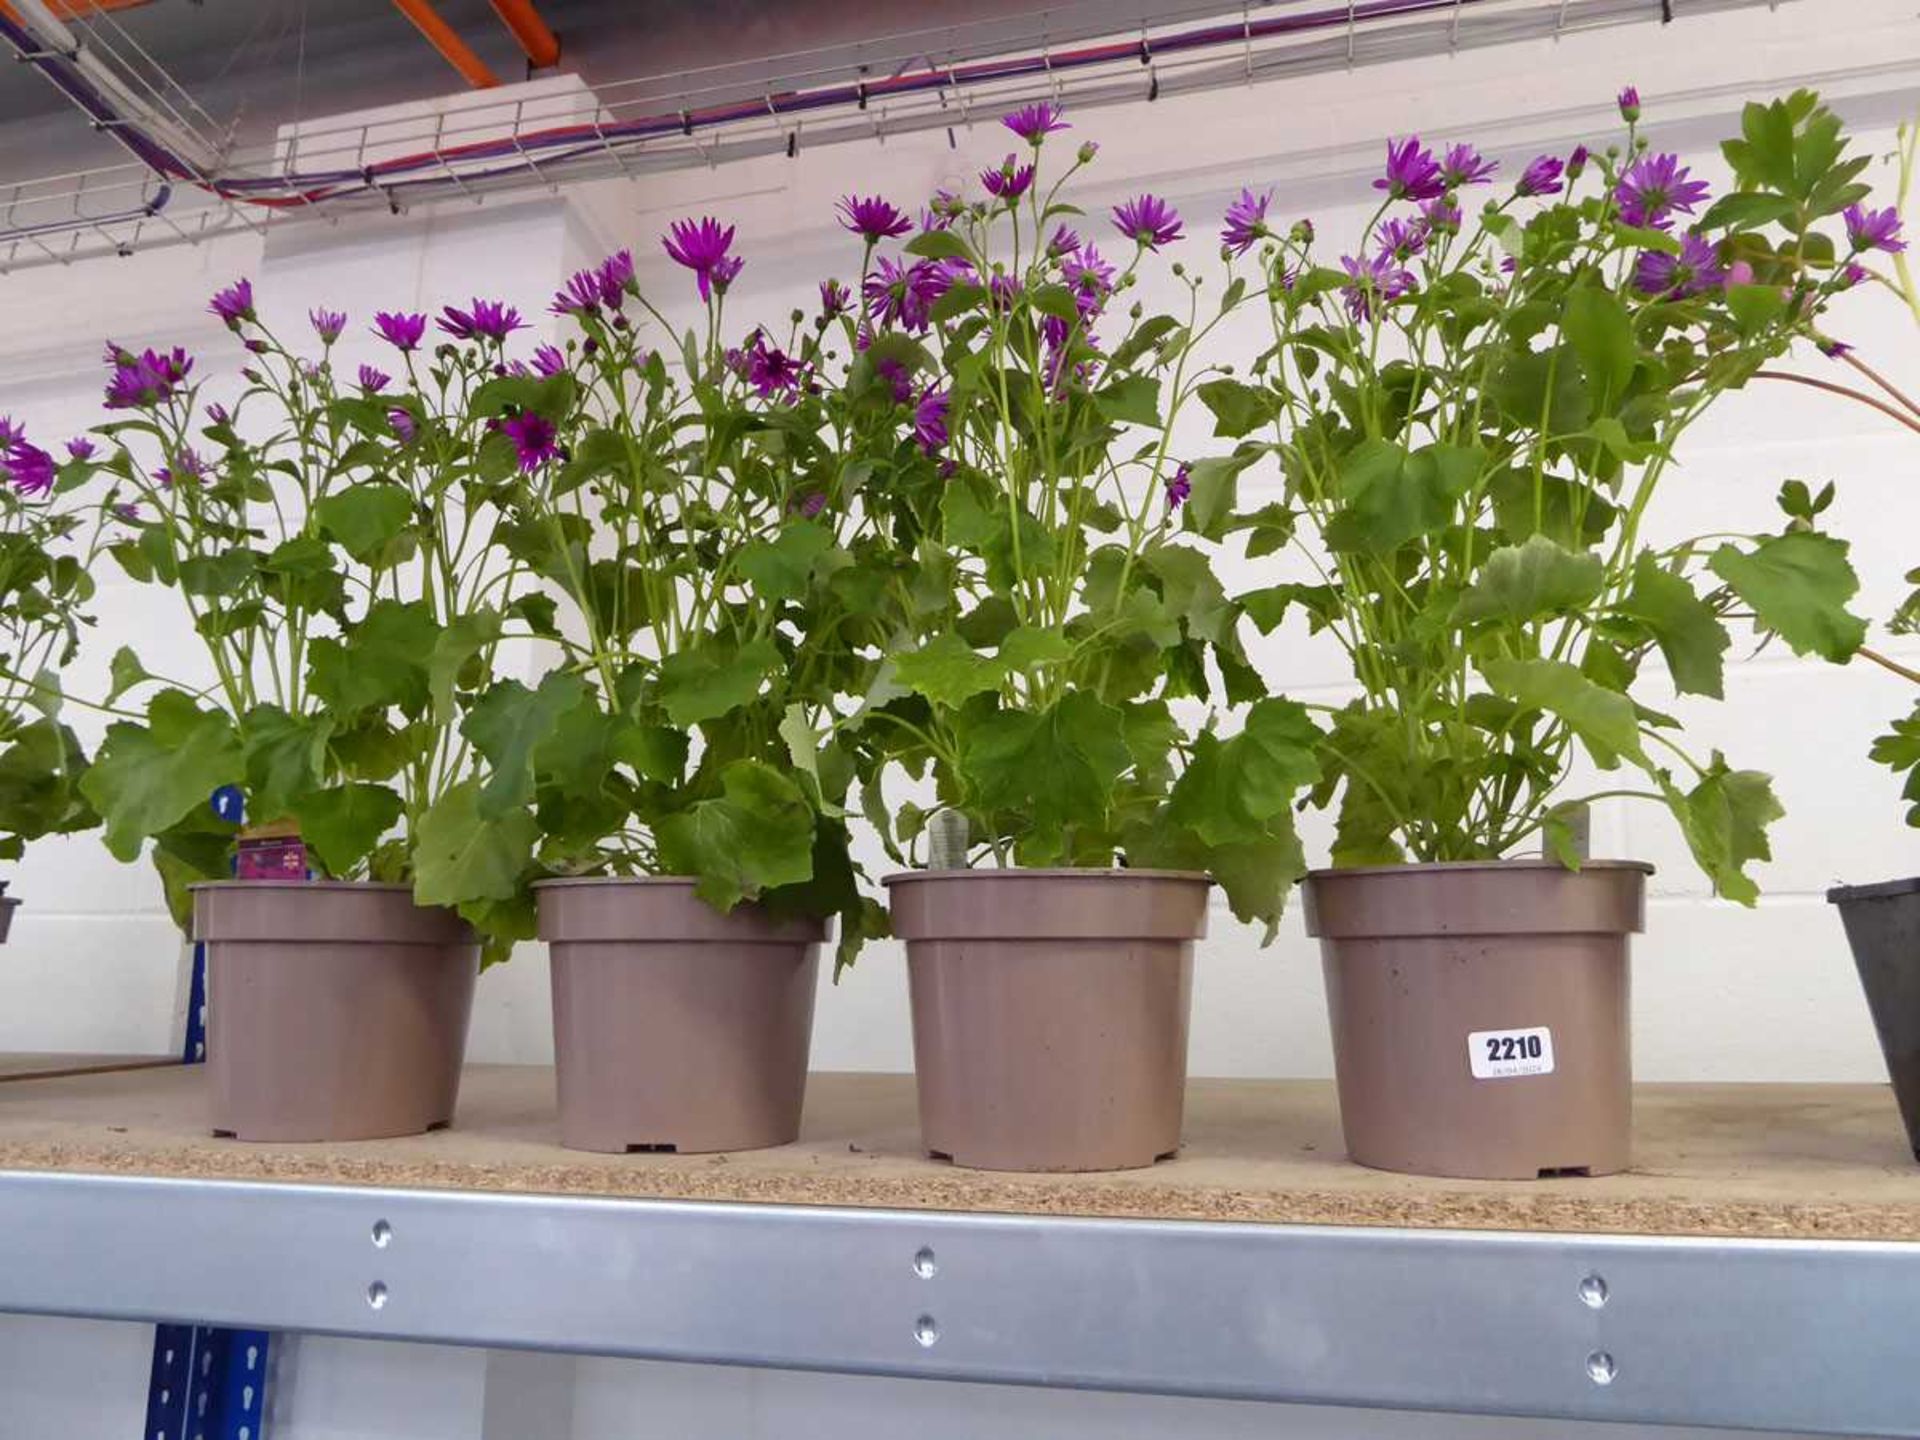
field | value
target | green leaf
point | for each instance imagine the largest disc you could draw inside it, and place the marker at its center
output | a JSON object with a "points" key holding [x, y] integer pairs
{"points": [[1755, 307], [1601, 334], [1214, 497], [803, 749], [124, 673], [1528, 581], [654, 752], [1238, 409], [382, 661], [286, 758], [39, 771], [506, 724], [1605, 721], [947, 670], [460, 855], [1690, 636], [1393, 497], [1746, 210], [1899, 751], [1134, 399], [365, 518], [706, 682], [1060, 765], [149, 777], [1232, 790], [1725, 819], [1797, 585], [342, 825], [938, 245], [780, 569], [455, 649], [1029, 648], [756, 835]]}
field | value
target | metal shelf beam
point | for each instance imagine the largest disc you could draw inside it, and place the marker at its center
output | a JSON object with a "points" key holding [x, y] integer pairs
{"points": [[1813, 1336]]}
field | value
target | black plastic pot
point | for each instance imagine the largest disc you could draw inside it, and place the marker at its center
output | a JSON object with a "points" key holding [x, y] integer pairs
{"points": [[1883, 926], [7, 907]]}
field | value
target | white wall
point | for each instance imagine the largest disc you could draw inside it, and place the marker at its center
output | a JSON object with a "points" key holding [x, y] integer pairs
{"points": [[93, 964]]}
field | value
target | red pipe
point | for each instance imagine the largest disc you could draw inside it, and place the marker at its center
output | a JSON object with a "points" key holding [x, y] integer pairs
{"points": [[455, 51], [539, 41]]}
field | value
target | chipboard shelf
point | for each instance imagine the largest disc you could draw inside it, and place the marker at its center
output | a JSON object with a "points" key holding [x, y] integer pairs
{"points": [[1760, 1268]]}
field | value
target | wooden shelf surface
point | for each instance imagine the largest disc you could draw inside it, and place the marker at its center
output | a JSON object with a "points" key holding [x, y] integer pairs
{"points": [[1766, 1161]]}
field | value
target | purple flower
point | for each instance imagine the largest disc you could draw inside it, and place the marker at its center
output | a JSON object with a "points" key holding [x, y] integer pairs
{"points": [[373, 381], [1147, 220], [400, 330], [1003, 290], [1833, 349], [873, 218], [403, 424], [1404, 239], [811, 505], [1577, 162], [579, 296], [1464, 166], [1033, 123], [258, 347], [233, 304], [1629, 103], [1371, 281], [1441, 216], [217, 414], [1852, 274], [700, 245], [1412, 172], [533, 438], [127, 511], [1874, 229], [898, 377], [27, 466], [834, 299], [486, 320], [145, 379], [904, 295], [547, 360], [1090, 277], [187, 465], [616, 279], [1179, 488], [1063, 243], [80, 448], [942, 210], [772, 372], [930, 421], [726, 270], [1009, 181], [1694, 270], [1656, 187], [1542, 177], [327, 324], [1246, 221]]}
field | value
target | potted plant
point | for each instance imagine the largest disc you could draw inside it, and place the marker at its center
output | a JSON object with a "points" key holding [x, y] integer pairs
{"points": [[679, 765], [42, 592], [1060, 633], [1882, 918], [1472, 416], [326, 536]]}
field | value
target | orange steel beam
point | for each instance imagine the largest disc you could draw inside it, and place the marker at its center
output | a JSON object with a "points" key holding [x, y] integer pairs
{"points": [[540, 43], [455, 51], [76, 9]]}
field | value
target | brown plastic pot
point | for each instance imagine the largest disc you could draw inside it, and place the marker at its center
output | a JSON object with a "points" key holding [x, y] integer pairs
{"points": [[1434, 971], [1050, 1012], [675, 1027], [336, 1011], [1883, 927]]}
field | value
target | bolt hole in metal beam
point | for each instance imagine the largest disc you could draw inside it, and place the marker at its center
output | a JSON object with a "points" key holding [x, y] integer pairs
{"points": [[1807, 1336]]}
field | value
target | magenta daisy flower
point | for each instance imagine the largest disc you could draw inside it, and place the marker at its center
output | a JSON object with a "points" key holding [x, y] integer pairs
{"points": [[145, 379], [26, 466], [579, 296], [373, 380], [327, 324], [1246, 221], [1033, 123], [1441, 216], [1372, 281], [1874, 229], [904, 294], [1542, 177], [772, 372], [1654, 189], [80, 448], [400, 330], [233, 304], [217, 414], [1179, 488], [873, 218], [1009, 181], [548, 360], [1577, 162], [1404, 239], [484, 320], [834, 299], [1148, 221], [1412, 172], [1694, 270], [812, 504], [701, 245], [727, 270], [1463, 165], [616, 279], [1063, 243], [403, 424], [930, 421], [1629, 103], [187, 466], [533, 438], [1087, 273]]}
